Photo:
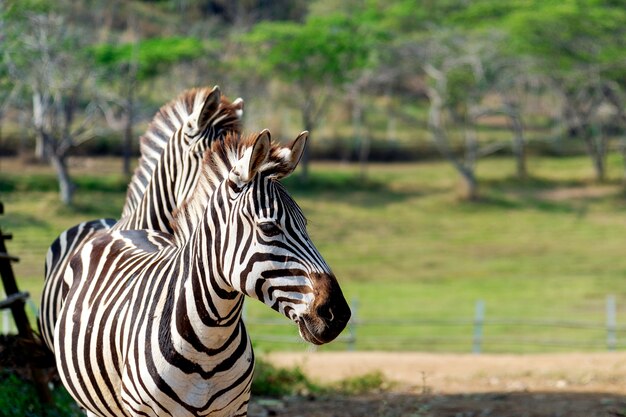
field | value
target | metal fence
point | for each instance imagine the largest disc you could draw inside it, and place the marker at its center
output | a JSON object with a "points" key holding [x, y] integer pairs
{"points": [[470, 335]]}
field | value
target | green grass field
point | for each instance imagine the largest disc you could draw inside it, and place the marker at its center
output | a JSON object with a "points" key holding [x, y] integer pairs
{"points": [[406, 248]]}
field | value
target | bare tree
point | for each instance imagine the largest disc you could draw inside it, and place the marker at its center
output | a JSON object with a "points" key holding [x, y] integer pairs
{"points": [[464, 74], [58, 79], [582, 95], [8, 89], [455, 67]]}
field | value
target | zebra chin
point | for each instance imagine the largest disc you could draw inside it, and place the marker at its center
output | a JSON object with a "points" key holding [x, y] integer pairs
{"points": [[328, 314]]}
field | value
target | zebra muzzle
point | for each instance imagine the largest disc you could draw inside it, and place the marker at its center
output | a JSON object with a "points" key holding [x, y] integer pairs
{"points": [[329, 313]]}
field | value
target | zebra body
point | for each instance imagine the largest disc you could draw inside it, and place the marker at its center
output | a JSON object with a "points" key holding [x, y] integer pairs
{"points": [[168, 171], [121, 369], [57, 260], [152, 324]]}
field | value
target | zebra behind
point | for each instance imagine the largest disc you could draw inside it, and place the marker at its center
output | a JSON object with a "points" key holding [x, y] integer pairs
{"points": [[152, 323], [168, 171]]}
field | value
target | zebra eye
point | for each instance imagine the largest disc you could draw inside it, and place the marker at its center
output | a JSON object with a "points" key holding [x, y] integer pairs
{"points": [[269, 228]]}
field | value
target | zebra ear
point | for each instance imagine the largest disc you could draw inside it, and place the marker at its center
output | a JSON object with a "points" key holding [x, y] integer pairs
{"points": [[198, 120], [238, 105], [253, 158], [210, 107], [293, 153]]}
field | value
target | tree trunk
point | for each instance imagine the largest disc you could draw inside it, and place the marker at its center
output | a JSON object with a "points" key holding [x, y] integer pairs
{"points": [[128, 129], [622, 148], [39, 110], [440, 137], [41, 153], [519, 145], [357, 128], [596, 148], [470, 185], [130, 105], [467, 169], [66, 187]]}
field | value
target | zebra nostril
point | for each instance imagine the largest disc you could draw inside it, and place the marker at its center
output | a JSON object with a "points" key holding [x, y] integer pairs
{"points": [[326, 313]]}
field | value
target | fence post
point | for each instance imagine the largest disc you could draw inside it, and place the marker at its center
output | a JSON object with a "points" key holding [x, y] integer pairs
{"points": [[611, 323], [6, 318], [354, 308], [479, 321]]}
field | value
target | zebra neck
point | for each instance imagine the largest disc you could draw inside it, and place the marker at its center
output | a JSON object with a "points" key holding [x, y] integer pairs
{"points": [[206, 294], [154, 210]]}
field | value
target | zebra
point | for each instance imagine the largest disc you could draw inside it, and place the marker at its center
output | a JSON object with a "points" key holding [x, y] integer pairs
{"points": [[168, 170], [190, 123], [152, 323]]}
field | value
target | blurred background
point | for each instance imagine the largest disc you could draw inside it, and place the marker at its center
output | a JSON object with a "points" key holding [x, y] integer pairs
{"points": [[466, 166]]}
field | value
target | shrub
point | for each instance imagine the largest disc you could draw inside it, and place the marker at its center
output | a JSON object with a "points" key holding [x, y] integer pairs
{"points": [[277, 382], [19, 398], [361, 384]]}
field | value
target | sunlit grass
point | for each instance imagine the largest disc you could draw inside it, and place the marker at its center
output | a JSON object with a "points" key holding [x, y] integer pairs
{"points": [[405, 247]]}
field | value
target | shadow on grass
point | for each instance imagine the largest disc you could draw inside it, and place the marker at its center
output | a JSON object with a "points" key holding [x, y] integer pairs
{"points": [[48, 182], [536, 183], [349, 188], [501, 404], [12, 220], [95, 205], [548, 195], [522, 202]]}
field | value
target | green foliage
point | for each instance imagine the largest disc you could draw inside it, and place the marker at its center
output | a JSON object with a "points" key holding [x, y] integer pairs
{"points": [[19, 398], [271, 381], [407, 16], [17, 10], [324, 49], [563, 33], [570, 33], [151, 56]]}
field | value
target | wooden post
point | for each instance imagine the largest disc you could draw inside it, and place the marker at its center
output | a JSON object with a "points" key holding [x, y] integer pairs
{"points": [[15, 301], [611, 323], [479, 321]]}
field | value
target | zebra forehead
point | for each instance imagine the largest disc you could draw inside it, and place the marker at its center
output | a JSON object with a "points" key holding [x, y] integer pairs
{"points": [[282, 196], [223, 154], [219, 159]]}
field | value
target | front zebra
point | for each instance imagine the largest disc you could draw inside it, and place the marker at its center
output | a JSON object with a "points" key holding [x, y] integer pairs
{"points": [[168, 171], [152, 323]]}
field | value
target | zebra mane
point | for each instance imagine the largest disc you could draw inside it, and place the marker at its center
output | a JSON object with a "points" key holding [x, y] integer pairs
{"points": [[218, 161], [169, 119]]}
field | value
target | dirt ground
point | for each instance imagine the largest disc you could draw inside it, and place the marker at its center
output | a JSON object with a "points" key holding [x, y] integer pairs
{"points": [[438, 385], [450, 385]]}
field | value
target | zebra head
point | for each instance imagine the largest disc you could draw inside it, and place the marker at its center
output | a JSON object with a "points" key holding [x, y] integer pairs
{"points": [[213, 116], [267, 252]]}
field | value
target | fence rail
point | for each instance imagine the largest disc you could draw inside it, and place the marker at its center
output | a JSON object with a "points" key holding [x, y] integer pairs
{"points": [[471, 334]]}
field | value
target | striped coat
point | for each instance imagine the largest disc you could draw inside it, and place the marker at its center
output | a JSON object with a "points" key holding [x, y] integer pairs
{"points": [[168, 171], [152, 323]]}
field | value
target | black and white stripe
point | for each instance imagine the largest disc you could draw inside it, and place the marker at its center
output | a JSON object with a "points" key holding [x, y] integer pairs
{"points": [[168, 171], [152, 323]]}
